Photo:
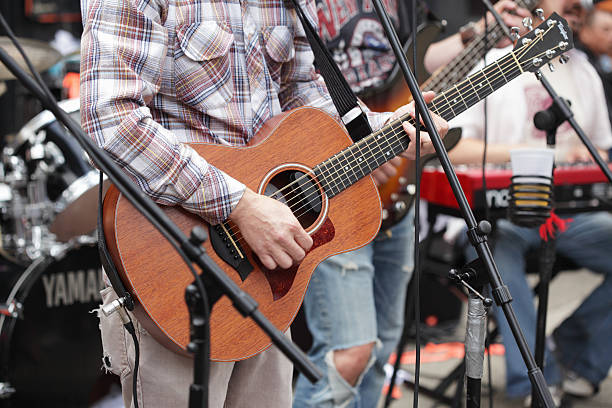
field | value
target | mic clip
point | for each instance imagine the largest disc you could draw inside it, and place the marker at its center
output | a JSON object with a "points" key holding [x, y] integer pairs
{"points": [[472, 274]]}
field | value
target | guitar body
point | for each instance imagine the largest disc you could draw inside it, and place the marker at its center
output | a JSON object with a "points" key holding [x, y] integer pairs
{"points": [[156, 276]]}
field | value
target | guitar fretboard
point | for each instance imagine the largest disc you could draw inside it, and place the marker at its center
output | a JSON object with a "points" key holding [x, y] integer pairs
{"points": [[463, 63], [360, 159]]}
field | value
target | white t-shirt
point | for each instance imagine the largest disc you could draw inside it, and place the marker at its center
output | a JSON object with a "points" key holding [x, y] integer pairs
{"points": [[510, 110]]}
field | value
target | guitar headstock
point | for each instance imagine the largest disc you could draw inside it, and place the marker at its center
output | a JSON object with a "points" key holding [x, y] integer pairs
{"points": [[539, 46]]}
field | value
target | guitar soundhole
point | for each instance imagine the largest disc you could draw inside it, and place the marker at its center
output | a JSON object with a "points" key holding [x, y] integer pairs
{"points": [[299, 192]]}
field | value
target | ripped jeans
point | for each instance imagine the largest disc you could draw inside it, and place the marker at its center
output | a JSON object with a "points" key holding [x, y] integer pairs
{"points": [[357, 298]]}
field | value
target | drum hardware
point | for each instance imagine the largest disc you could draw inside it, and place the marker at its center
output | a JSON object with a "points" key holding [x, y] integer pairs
{"points": [[6, 390], [25, 210], [13, 309], [41, 54], [49, 342], [51, 159]]}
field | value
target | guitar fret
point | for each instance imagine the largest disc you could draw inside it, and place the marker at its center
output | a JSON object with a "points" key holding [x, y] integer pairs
{"points": [[363, 161], [500, 70], [487, 78], [333, 175], [329, 188], [357, 163], [461, 96], [448, 103], [349, 167]]}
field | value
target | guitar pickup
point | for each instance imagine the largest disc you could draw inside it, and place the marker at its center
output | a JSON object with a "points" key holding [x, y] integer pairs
{"points": [[229, 249]]}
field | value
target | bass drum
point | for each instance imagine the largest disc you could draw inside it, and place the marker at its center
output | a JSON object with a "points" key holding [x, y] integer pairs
{"points": [[49, 339], [72, 186]]}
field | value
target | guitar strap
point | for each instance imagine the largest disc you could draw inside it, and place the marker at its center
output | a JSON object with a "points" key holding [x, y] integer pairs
{"points": [[105, 258], [354, 118]]}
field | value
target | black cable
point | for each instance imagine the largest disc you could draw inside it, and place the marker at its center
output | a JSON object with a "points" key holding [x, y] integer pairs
{"points": [[486, 126], [129, 326], [484, 187], [417, 264]]}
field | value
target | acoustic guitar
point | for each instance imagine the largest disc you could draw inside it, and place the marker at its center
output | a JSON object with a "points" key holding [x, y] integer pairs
{"points": [[398, 192], [327, 186]]}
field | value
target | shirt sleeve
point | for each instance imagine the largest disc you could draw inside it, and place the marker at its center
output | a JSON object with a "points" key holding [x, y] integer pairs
{"points": [[123, 47]]}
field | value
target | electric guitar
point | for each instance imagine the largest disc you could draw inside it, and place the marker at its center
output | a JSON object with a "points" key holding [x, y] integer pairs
{"points": [[398, 192], [326, 185]]}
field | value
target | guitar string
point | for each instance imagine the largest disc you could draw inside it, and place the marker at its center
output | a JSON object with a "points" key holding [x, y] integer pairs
{"points": [[459, 91], [463, 63], [395, 132], [343, 156]]}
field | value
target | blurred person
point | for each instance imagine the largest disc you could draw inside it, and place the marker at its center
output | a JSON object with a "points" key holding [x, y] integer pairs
{"points": [[354, 305], [584, 340], [595, 40]]}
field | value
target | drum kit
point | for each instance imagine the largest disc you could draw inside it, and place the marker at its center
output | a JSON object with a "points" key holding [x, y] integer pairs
{"points": [[50, 273]]}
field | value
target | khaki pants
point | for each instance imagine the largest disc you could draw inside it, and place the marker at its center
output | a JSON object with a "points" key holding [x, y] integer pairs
{"points": [[164, 377]]}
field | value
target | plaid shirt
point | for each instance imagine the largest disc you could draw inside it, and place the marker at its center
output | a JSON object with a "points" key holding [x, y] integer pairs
{"points": [[156, 74]]}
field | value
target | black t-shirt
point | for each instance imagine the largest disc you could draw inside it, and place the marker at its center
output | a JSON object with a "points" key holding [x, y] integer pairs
{"points": [[356, 39]]}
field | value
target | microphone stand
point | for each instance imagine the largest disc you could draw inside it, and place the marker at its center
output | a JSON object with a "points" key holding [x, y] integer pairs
{"points": [[476, 327], [243, 302], [477, 233], [561, 112]]}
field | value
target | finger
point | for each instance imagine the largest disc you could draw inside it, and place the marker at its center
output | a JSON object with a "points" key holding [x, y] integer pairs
{"points": [[388, 169], [505, 5], [267, 261], [429, 96], [396, 162], [282, 259], [295, 251], [379, 179], [303, 240], [401, 111]]}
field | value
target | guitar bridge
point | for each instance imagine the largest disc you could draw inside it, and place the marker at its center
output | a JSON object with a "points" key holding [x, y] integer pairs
{"points": [[229, 249]]}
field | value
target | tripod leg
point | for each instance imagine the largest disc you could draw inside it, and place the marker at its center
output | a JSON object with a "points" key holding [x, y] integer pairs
{"points": [[547, 260], [401, 345]]}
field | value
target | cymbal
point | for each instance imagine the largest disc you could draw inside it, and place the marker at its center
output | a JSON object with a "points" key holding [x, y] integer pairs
{"points": [[41, 54]]}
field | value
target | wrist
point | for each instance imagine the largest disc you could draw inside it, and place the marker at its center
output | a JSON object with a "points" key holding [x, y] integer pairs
{"points": [[468, 32]]}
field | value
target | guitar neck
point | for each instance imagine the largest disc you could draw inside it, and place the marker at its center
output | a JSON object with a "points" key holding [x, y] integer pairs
{"points": [[463, 63], [362, 158]]}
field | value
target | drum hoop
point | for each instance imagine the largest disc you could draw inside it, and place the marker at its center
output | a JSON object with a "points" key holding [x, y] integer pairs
{"points": [[22, 288], [44, 118], [76, 189], [44, 261]]}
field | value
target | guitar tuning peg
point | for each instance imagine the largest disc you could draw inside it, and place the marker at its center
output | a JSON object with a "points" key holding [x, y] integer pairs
{"points": [[563, 59], [539, 13], [551, 67], [514, 34], [528, 23]]}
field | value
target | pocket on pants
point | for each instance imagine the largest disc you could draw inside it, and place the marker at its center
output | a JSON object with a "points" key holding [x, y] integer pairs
{"points": [[114, 346]]}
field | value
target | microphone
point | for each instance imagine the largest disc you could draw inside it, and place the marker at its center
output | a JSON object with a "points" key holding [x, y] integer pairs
{"points": [[531, 187]]}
